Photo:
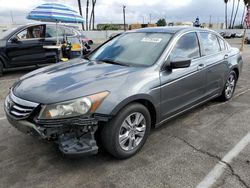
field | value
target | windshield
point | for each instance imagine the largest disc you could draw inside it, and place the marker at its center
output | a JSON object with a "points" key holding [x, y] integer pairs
{"points": [[6, 33], [141, 49]]}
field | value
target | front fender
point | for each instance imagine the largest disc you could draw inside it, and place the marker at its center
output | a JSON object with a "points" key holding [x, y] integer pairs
{"points": [[133, 98], [112, 109]]}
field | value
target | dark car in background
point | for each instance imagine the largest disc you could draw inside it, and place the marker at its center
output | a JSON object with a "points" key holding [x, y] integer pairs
{"points": [[230, 34], [29, 45], [137, 80], [247, 39]]}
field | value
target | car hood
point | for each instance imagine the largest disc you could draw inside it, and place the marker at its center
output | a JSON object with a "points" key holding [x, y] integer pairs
{"points": [[73, 79]]}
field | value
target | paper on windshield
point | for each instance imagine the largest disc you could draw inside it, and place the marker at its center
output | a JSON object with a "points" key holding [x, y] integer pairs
{"points": [[153, 40]]}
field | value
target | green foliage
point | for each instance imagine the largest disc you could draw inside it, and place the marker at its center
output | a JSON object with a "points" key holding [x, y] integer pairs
{"points": [[161, 22], [107, 27]]}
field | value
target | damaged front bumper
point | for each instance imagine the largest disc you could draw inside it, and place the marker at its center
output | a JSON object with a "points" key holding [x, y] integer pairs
{"points": [[74, 136]]}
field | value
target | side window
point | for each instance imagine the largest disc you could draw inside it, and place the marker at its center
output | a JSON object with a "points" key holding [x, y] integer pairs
{"points": [[51, 31], [210, 43], [186, 47], [33, 32], [222, 44]]}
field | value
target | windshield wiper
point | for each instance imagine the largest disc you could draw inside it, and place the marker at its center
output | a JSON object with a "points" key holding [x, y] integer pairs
{"points": [[110, 61]]}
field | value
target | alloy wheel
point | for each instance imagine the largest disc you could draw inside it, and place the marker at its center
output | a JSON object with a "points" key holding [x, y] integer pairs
{"points": [[132, 131], [230, 86]]}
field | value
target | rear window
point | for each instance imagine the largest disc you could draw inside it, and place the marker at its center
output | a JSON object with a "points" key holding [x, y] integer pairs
{"points": [[68, 31], [210, 43], [52, 32]]}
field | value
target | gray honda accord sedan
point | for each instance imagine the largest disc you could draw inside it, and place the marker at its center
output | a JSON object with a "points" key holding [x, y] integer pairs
{"points": [[113, 97]]}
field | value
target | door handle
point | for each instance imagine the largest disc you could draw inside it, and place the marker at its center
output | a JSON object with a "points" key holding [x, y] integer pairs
{"points": [[200, 66], [226, 56]]}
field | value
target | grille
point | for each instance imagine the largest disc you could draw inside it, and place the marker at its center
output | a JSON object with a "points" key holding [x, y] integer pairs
{"points": [[19, 108], [20, 111]]}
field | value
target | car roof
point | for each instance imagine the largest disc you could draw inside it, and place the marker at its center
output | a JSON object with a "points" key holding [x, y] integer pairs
{"points": [[170, 29]]}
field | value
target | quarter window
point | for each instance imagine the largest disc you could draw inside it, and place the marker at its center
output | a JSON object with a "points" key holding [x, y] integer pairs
{"points": [[222, 44], [210, 43], [186, 47]]}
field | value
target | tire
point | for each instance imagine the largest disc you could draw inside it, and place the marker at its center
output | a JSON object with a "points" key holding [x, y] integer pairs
{"points": [[229, 87], [131, 139]]}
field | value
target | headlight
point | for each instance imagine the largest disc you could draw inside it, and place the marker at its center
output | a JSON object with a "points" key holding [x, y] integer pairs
{"points": [[73, 108]]}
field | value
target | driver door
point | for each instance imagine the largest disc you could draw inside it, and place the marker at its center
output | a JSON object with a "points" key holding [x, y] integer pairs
{"points": [[26, 47], [183, 87]]}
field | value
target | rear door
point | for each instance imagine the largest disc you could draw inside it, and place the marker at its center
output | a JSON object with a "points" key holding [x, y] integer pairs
{"points": [[215, 59], [28, 49], [182, 88]]}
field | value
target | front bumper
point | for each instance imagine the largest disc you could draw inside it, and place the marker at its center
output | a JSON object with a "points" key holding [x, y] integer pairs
{"points": [[71, 139], [74, 136]]}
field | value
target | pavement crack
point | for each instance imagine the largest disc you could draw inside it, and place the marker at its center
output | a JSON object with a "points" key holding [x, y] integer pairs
{"points": [[223, 181], [216, 157], [236, 175]]}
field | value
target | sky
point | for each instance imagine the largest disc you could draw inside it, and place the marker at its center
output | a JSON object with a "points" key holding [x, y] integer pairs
{"points": [[110, 11]]}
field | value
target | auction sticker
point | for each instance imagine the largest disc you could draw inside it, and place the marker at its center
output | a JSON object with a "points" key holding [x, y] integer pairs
{"points": [[154, 40]]}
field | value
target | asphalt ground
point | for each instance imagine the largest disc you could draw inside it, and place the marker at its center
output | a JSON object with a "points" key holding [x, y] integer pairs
{"points": [[209, 145]]}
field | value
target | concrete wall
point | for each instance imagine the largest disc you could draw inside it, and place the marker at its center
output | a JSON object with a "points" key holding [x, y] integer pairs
{"points": [[101, 36], [233, 30]]}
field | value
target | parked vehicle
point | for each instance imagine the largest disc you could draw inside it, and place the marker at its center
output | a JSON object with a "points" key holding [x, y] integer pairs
{"points": [[222, 33], [135, 81], [247, 39], [238, 35], [27, 45], [228, 35]]}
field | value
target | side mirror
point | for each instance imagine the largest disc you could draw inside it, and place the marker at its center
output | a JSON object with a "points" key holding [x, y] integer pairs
{"points": [[180, 63], [14, 39]]}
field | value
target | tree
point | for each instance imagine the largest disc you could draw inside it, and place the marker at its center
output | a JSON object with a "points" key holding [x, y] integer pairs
{"points": [[161, 22], [92, 16], [107, 27], [226, 1], [231, 19], [80, 10], [87, 15], [236, 12]]}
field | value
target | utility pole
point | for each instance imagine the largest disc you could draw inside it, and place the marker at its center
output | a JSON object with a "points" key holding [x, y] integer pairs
{"points": [[210, 20], [150, 18], [142, 19], [11, 15], [80, 10], [124, 17]]}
